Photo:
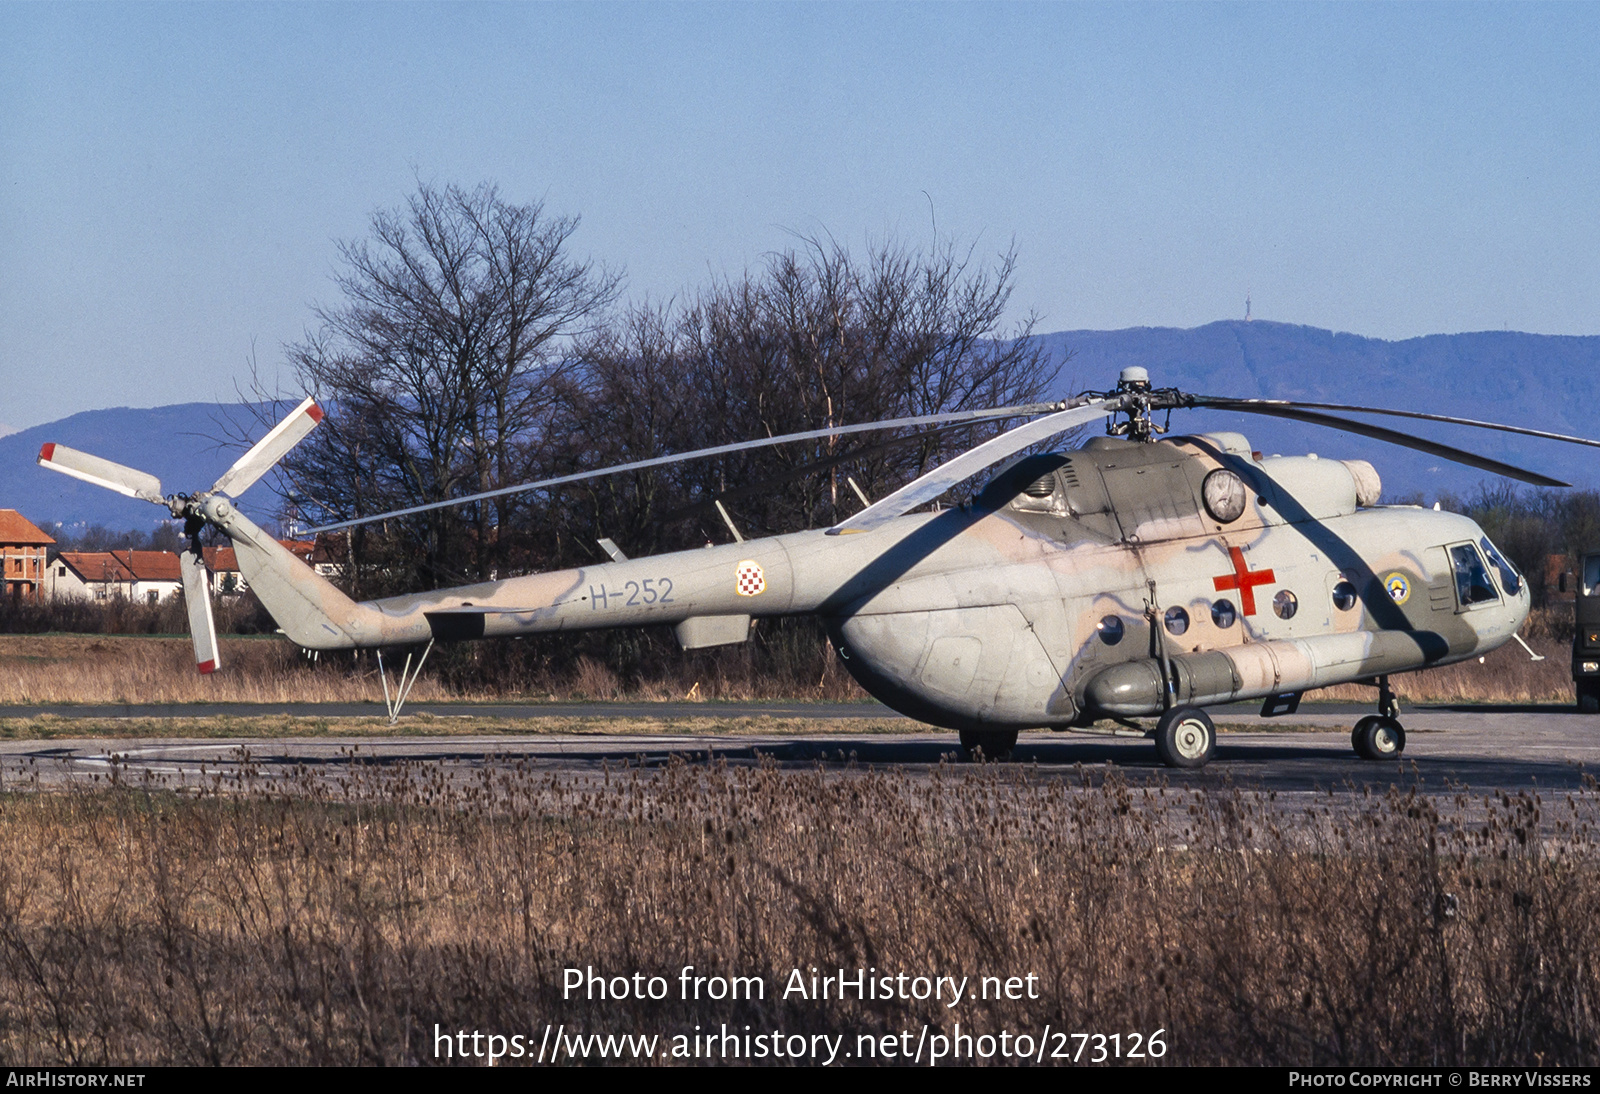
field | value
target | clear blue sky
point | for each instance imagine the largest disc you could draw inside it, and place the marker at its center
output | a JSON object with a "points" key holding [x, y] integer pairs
{"points": [[173, 178]]}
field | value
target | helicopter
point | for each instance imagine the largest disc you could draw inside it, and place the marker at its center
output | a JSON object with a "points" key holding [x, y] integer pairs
{"points": [[1142, 575]]}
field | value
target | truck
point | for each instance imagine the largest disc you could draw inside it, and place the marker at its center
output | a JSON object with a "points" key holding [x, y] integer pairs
{"points": [[1586, 635]]}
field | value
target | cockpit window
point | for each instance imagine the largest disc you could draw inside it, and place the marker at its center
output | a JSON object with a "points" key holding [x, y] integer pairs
{"points": [[1510, 580], [1472, 580]]}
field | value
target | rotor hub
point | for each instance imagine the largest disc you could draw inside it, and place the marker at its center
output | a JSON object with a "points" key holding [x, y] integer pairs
{"points": [[1133, 384]]}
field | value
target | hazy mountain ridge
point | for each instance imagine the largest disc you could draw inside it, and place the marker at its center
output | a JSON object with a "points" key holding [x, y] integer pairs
{"points": [[1548, 382], [183, 445]]}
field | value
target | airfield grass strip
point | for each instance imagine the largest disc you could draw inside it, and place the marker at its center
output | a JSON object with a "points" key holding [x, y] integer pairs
{"points": [[52, 727], [47, 727], [326, 922], [57, 668]]}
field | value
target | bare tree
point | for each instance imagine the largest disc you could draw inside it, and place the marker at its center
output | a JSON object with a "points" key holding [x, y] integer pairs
{"points": [[815, 338], [441, 364]]}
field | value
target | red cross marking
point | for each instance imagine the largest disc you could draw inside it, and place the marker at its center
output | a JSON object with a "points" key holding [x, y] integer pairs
{"points": [[1244, 580]]}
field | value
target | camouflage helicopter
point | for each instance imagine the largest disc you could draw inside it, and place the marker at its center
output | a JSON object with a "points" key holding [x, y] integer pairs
{"points": [[1137, 576]]}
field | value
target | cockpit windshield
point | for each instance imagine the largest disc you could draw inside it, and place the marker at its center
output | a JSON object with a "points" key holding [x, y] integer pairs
{"points": [[1510, 580]]}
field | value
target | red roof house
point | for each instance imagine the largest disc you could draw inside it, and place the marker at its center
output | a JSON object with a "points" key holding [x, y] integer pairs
{"points": [[22, 555]]}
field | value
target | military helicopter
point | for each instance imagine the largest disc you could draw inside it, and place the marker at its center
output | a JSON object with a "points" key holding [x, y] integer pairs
{"points": [[1140, 575]]}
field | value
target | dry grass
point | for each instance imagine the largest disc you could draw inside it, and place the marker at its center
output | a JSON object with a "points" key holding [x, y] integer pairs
{"points": [[1507, 675], [333, 925], [48, 727], [152, 669], [64, 668], [141, 669]]}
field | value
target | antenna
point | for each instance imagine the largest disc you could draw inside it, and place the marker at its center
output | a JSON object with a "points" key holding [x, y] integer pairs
{"points": [[1247, 305]]}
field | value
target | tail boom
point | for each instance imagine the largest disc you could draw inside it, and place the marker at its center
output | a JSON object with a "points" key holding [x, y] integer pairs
{"points": [[309, 609]]}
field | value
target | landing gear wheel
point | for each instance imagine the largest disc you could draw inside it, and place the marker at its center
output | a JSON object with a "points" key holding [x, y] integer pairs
{"points": [[1185, 737], [1589, 696], [996, 744], [1378, 738]]}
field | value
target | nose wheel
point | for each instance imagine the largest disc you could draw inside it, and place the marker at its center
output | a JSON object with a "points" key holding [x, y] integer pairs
{"points": [[1380, 736]]}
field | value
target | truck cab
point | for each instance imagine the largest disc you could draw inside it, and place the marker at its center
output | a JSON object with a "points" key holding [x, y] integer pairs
{"points": [[1586, 636]]}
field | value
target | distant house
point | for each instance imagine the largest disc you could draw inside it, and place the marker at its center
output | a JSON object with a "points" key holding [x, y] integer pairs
{"points": [[326, 553], [223, 565], [148, 576], [145, 576], [23, 550]]}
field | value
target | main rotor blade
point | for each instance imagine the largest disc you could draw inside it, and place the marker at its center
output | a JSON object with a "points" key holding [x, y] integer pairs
{"points": [[269, 450], [701, 453], [197, 599], [750, 489], [968, 464], [112, 476], [1234, 404], [1378, 432]]}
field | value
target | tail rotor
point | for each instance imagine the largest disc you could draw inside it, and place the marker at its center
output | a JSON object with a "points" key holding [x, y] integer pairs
{"points": [[133, 483]]}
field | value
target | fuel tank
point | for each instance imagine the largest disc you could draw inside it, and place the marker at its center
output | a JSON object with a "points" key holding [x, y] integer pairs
{"points": [[1258, 669]]}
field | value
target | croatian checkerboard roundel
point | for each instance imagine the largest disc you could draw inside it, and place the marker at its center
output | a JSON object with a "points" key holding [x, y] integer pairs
{"points": [[750, 581]]}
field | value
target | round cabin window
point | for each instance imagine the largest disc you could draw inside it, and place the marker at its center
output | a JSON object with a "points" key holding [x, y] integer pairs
{"points": [[1223, 614], [1285, 604], [1344, 596], [1110, 629], [1177, 620]]}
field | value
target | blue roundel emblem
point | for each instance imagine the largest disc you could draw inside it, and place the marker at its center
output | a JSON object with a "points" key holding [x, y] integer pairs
{"points": [[1399, 588]]}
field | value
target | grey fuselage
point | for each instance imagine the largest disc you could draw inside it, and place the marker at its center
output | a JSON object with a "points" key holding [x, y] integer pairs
{"points": [[1044, 603]]}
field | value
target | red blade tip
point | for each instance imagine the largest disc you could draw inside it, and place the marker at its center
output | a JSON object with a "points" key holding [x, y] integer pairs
{"points": [[207, 666], [47, 452], [315, 411]]}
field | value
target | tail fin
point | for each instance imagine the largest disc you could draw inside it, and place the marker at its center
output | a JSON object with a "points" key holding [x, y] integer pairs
{"points": [[309, 609]]}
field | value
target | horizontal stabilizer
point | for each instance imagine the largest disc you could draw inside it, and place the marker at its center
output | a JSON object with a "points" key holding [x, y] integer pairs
{"points": [[465, 623]]}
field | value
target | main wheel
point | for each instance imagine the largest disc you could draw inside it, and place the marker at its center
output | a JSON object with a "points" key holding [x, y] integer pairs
{"points": [[996, 744], [1185, 737], [1589, 696], [1378, 738]]}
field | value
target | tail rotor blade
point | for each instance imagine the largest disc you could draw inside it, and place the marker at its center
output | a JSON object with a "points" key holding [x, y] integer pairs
{"points": [[112, 476], [197, 598], [269, 450]]}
